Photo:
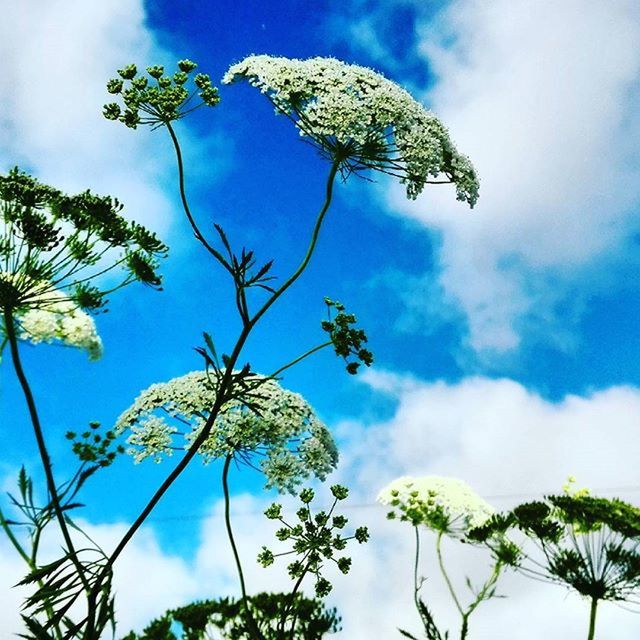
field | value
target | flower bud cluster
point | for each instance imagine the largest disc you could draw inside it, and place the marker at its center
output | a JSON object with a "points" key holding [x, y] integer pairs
{"points": [[446, 505], [347, 340], [314, 539], [52, 246], [160, 98]]}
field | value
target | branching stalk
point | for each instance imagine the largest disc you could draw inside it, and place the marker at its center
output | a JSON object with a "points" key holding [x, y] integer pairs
{"points": [[227, 376], [42, 448]]}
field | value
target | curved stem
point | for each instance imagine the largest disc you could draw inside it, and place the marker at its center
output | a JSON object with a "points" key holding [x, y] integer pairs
{"points": [[253, 627], [312, 245], [226, 378], [42, 448], [185, 203], [14, 541], [445, 575], [592, 619]]}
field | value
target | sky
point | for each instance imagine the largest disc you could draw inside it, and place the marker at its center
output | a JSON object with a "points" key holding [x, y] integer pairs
{"points": [[505, 338]]}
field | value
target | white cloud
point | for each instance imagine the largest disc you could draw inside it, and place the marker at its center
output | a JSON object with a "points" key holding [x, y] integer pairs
{"points": [[507, 442], [55, 60], [543, 96]]}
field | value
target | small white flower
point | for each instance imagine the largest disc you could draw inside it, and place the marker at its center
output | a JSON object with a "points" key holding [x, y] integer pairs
{"points": [[272, 428], [52, 317], [441, 503], [357, 116]]}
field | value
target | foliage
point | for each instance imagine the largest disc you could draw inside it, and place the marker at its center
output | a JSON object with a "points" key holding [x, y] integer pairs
{"points": [[198, 621], [54, 252], [58, 583], [588, 544], [52, 246]]}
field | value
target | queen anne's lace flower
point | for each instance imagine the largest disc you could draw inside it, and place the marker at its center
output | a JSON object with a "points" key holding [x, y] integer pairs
{"points": [[279, 427], [357, 116], [52, 317], [444, 504]]}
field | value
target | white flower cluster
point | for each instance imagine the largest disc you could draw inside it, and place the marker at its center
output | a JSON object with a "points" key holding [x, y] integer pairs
{"points": [[444, 504], [52, 317], [359, 116], [269, 422]]}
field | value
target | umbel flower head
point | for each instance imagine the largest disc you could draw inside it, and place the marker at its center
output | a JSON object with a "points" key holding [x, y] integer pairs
{"points": [[272, 425], [446, 505], [53, 245], [60, 320], [590, 544], [356, 116]]}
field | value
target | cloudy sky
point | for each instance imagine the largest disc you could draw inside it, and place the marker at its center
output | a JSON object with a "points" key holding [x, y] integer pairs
{"points": [[505, 337]]}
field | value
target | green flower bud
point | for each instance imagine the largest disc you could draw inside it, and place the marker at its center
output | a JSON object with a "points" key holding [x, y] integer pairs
{"points": [[156, 71], [111, 111], [139, 83], [129, 72], [339, 492], [179, 77], [202, 81], [115, 85], [186, 65]]}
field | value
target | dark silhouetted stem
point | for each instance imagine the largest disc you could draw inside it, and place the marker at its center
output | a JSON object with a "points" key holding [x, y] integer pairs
{"points": [[592, 619], [42, 448], [251, 623]]}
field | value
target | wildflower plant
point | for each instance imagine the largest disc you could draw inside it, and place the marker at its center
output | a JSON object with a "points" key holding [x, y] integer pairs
{"points": [[271, 429], [588, 544], [57, 583], [448, 507], [55, 250], [314, 540], [361, 120]]}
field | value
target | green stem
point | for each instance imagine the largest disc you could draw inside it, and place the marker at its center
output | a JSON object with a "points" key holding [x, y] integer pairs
{"points": [[185, 203], [416, 581], [14, 541], [226, 379], [31, 562], [251, 623], [445, 575], [465, 626], [592, 619], [306, 354], [42, 448]]}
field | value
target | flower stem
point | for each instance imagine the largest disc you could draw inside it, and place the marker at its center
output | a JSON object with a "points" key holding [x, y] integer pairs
{"points": [[185, 203], [306, 354], [445, 575], [226, 378], [251, 623], [416, 581], [592, 619], [42, 448]]}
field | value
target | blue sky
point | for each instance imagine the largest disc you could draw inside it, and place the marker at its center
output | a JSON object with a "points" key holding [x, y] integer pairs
{"points": [[505, 337]]}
